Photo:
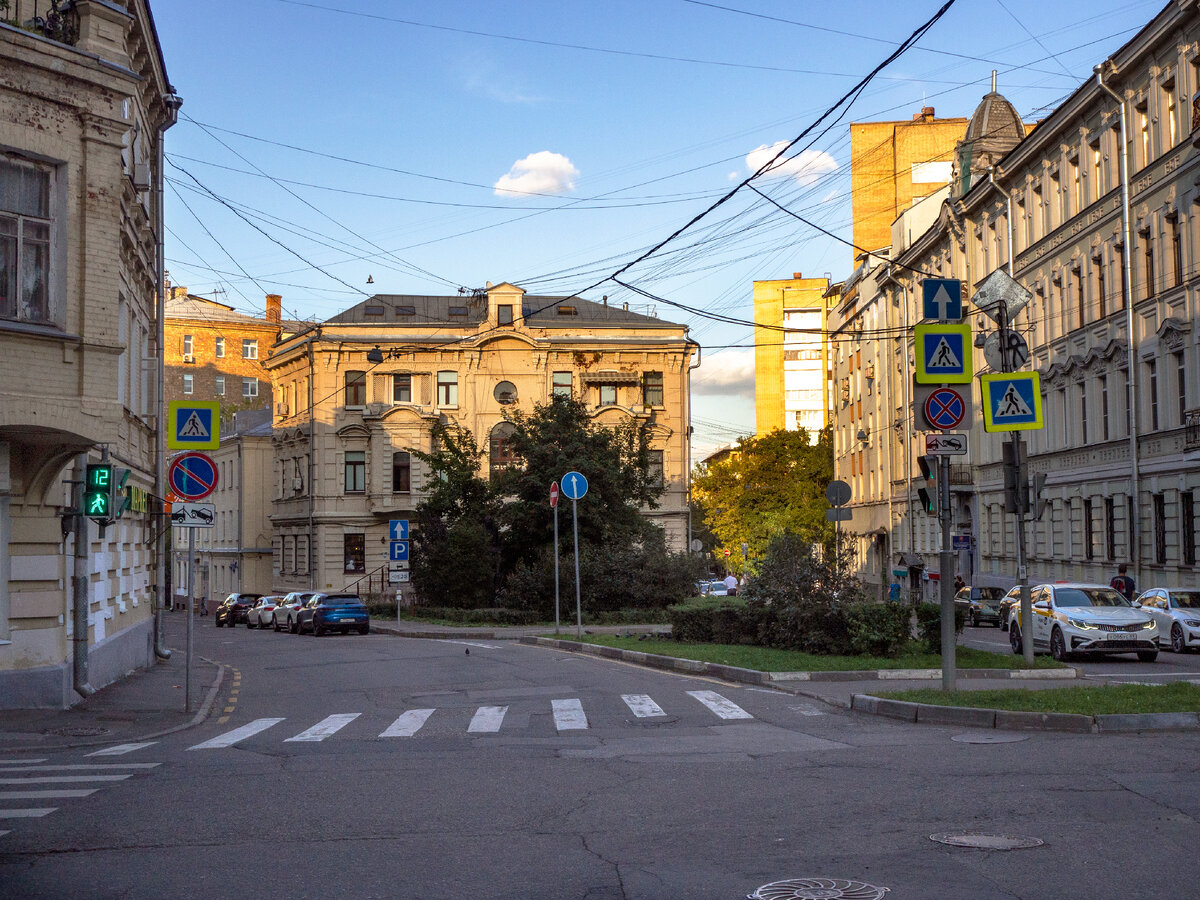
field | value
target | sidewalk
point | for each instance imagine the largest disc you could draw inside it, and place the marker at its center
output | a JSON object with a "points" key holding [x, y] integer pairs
{"points": [[141, 706]]}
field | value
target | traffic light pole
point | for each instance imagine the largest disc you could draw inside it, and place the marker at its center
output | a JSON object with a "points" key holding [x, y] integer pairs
{"points": [[191, 562], [945, 579]]}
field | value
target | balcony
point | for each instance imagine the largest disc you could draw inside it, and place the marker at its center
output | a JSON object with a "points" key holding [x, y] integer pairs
{"points": [[57, 20], [1191, 429]]}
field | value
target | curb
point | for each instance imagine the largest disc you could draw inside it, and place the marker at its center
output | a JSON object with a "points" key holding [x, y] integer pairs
{"points": [[1014, 720], [655, 660]]}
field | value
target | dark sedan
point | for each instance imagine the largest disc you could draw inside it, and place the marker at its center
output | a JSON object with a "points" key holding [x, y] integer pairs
{"points": [[329, 612], [233, 609], [982, 604]]}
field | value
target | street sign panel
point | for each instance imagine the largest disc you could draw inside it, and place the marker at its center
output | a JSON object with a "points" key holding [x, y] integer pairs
{"points": [[398, 530], [943, 353], [192, 476], [999, 295], [193, 425], [553, 494], [922, 393], [953, 443], [942, 299], [839, 514], [960, 542], [993, 351], [193, 515], [574, 485], [398, 551], [838, 493], [1012, 401], [945, 409]]}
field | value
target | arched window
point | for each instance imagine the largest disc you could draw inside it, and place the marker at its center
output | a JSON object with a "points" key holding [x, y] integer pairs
{"points": [[501, 455]]}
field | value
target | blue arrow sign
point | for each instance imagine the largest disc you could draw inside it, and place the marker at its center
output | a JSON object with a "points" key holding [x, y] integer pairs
{"points": [[942, 299], [398, 551], [574, 486], [398, 530]]}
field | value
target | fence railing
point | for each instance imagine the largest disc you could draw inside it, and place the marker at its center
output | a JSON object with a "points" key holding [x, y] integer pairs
{"points": [[374, 582], [1191, 425], [57, 20]]}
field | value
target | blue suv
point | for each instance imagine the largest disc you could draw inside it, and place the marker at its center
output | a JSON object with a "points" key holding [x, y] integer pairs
{"points": [[327, 612]]}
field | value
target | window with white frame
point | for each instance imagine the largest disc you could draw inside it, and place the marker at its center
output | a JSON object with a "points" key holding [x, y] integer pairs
{"points": [[249, 348], [25, 227], [249, 387], [188, 384], [187, 345], [220, 386], [220, 348]]}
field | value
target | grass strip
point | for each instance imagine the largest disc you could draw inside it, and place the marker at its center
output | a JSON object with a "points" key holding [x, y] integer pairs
{"points": [[1087, 700], [767, 659]]}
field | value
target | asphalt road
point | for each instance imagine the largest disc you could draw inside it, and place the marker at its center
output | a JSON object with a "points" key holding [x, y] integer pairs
{"points": [[384, 768]]}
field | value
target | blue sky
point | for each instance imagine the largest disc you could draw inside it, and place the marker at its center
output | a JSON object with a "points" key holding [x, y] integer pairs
{"points": [[433, 146]]}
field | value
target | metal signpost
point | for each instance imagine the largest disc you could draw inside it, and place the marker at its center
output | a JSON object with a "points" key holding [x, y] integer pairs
{"points": [[192, 476], [554, 506], [575, 486], [838, 495]]}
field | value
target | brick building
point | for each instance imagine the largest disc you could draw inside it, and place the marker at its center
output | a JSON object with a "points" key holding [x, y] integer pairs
{"points": [[791, 385]]}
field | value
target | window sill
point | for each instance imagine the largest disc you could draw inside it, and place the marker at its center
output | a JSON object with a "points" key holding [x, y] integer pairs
{"points": [[47, 332]]}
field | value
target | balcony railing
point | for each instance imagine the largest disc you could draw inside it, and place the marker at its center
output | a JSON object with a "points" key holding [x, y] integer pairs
{"points": [[1191, 429], [57, 20]]}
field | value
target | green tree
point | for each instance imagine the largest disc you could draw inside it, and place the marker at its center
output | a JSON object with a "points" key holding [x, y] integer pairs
{"points": [[768, 486]]}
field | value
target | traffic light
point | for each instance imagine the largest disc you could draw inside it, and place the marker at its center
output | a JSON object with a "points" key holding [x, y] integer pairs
{"points": [[928, 493], [98, 491], [120, 495], [1036, 500], [1016, 477]]}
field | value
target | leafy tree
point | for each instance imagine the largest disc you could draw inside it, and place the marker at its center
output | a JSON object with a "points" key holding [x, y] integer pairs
{"points": [[768, 486]]}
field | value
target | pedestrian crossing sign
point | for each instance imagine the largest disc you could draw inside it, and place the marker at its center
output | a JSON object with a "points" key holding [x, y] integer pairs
{"points": [[193, 425], [1012, 401], [943, 353]]}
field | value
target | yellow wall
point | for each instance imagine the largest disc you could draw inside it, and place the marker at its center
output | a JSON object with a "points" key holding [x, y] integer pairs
{"points": [[769, 299]]}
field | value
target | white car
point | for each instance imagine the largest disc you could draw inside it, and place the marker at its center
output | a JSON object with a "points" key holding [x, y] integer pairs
{"points": [[288, 609], [1177, 611], [1085, 618], [262, 613]]}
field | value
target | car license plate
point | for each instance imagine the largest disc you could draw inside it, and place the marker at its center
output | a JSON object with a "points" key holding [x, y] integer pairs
{"points": [[1116, 636], [345, 620]]}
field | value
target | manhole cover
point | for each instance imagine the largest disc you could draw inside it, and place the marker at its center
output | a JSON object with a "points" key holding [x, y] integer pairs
{"points": [[982, 840], [818, 889], [990, 737], [81, 731]]}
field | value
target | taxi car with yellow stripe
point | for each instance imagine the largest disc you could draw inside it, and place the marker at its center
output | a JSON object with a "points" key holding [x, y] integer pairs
{"points": [[1084, 618]]}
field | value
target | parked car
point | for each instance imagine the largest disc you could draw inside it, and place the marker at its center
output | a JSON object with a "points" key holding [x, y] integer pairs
{"points": [[717, 589], [1007, 602], [1177, 611], [262, 614], [287, 612], [233, 609], [1084, 618], [982, 604], [325, 612]]}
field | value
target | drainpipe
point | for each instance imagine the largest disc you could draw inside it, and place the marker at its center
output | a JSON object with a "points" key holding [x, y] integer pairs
{"points": [[173, 102], [79, 585], [1127, 262]]}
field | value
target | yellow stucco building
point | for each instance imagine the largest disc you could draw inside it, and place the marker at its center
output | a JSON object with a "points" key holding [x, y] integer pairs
{"points": [[355, 392], [790, 383]]}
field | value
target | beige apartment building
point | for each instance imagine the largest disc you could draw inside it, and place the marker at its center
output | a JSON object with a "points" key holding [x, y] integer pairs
{"points": [[791, 383], [83, 108], [1111, 327], [345, 425]]}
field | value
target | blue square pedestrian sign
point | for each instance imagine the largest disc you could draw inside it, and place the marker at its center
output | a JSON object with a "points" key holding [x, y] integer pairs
{"points": [[941, 299], [1012, 401], [943, 353], [193, 425]]}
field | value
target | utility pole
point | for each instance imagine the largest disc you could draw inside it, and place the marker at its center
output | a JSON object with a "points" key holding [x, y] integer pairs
{"points": [[1017, 472]]}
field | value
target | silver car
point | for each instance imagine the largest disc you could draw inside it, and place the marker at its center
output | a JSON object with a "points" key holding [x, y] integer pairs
{"points": [[262, 613], [1084, 618], [1177, 611], [285, 615]]}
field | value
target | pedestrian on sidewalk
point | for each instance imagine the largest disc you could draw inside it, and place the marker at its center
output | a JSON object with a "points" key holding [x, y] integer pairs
{"points": [[731, 584], [1124, 583], [959, 584]]}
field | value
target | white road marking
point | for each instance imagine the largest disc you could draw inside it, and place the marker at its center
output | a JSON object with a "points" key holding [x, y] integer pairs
{"points": [[569, 715], [62, 779], [122, 749], [408, 724], [26, 813], [642, 706], [469, 644], [21, 762], [44, 795], [325, 727], [487, 719], [3, 833], [78, 768], [230, 738], [726, 709]]}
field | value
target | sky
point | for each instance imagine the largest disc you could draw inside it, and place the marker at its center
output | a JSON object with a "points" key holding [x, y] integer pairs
{"points": [[556, 145]]}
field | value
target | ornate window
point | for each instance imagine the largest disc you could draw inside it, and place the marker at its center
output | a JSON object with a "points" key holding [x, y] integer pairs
{"points": [[25, 225], [500, 450]]}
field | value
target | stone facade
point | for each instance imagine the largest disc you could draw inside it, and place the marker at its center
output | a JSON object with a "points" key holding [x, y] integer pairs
{"points": [[82, 113], [343, 424], [1112, 333]]}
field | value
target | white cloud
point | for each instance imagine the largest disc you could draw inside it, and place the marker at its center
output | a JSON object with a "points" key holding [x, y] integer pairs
{"points": [[806, 167], [728, 373], [543, 172]]}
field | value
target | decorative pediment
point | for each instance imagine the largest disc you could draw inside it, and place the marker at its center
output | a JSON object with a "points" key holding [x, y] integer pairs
{"points": [[1172, 332], [352, 431], [1114, 352]]}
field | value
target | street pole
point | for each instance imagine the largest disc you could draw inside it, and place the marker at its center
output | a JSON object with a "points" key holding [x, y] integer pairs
{"points": [[945, 580], [187, 681], [556, 568], [578, 607]]}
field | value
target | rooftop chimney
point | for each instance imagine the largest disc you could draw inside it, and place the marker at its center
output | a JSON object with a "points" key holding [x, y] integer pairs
{"points": [[177, 292], [797, 276], [274, 302], [925, 115]]}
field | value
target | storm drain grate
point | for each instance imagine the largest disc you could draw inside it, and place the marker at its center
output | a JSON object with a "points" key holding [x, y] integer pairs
{"points": [[81, 731], [982, 840], [993, 737], [818, 889]]}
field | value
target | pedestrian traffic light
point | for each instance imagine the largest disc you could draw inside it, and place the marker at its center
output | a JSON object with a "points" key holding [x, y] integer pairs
{"points": [[98, 491], [928, 493], [120, 501], [1016, 477], [1037, 501]]}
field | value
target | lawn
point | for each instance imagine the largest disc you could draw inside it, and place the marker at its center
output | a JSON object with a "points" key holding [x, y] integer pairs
{"points": [[766, 659], [1087, 700]]}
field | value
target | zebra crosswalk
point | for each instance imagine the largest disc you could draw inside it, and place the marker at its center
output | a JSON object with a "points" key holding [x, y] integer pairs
{"points": [[568, 714], [36, 780]]}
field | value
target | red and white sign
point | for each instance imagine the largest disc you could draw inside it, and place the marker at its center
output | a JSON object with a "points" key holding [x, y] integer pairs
{"points": [[553, 494], [192, 476]]}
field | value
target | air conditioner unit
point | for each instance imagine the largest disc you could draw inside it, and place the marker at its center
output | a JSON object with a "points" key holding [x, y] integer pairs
{"points": [[871, 370], [297, 484], [189, 358], [141, 176]]}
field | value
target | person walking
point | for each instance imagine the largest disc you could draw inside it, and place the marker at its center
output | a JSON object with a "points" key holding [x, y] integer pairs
{"points": [[1124, 583], [731, 584]]}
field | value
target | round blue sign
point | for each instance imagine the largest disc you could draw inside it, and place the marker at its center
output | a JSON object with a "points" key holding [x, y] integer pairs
{"points": [[945, 408], [192, 476], [574, 486]]}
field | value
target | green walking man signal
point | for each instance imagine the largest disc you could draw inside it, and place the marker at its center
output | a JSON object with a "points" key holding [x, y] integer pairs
{"points": [[98, 491]]}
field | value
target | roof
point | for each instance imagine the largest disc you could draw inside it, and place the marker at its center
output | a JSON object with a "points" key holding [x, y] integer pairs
{"points": [[414, 310], [191, 307], [995, 119]]}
